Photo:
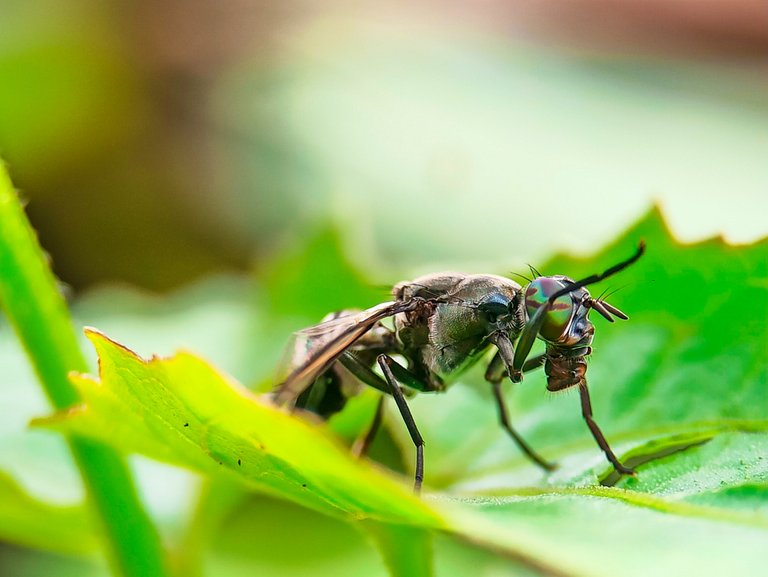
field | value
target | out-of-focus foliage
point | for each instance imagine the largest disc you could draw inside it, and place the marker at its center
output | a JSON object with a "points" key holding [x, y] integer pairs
{"points": [[438, 136], [36, 524], [662, 381]]}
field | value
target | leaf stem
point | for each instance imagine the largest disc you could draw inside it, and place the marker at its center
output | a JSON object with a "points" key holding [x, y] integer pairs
{"points": [[31, 299]]}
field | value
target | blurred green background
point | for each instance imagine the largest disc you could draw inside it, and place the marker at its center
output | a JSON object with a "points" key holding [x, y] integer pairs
{"points": [[190, 149], [159, 141]]}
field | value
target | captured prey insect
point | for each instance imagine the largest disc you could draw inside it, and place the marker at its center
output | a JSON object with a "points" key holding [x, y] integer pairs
{"points": [[442, 324]]}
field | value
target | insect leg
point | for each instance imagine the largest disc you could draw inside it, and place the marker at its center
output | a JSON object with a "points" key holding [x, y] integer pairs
{"points": [[386, 363], [525, 447], [363, 443], [363, 372], [499, 366], [534, 362], [496, 370], [586, 410]]}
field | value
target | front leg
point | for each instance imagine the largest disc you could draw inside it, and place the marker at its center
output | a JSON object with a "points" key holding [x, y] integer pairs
{"points": [[496, 370], [498, 367]]}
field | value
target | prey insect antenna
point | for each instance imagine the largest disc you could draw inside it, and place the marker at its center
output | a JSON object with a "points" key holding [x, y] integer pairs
{"points": [[601, 295], [613, 292], [569, 288]]}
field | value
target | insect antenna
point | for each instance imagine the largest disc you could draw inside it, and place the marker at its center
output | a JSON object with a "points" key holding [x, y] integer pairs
{"points": [[522, 276], [612, 292], [601, 295], [534, 271], [591, 279]]}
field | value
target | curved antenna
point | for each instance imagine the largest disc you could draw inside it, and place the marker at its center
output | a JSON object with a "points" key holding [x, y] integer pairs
{"points": [[591, 279]]}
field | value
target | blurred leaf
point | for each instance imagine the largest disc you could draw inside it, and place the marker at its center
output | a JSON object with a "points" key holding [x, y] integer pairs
{"points": [[407, 550], [27, 521], [317, 279], [272, 537], [20, 562]]}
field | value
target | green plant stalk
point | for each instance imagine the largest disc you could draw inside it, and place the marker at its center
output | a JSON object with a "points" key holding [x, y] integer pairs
{"points": [[406, 551], [31, 299]]}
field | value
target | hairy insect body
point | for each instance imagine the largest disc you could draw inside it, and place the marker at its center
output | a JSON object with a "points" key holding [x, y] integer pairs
{"points": [[455, 335]]}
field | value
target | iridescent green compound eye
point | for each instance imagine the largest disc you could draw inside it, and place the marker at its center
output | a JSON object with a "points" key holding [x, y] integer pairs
{"points": [[558, 318]]}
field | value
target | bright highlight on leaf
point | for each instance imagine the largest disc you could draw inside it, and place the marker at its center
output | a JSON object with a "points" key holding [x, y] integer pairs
{"points": [[183, 411]]}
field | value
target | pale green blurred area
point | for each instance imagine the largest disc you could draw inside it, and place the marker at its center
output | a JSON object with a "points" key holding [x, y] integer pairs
{"points": [[160, 143]]}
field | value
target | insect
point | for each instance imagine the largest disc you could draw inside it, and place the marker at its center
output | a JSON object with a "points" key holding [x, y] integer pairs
{"points": [[443, 323]]}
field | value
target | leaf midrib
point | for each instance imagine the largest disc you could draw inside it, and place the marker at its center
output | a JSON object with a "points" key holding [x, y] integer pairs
{"points": [[643, 500]]}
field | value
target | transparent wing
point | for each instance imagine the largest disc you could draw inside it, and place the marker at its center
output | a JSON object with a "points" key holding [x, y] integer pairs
{"points": [[304, 345], [313, 350]]}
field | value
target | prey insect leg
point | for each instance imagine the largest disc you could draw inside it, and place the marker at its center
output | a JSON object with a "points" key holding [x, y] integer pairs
{"points": [[586, 410], [496, 370], [386, 364]]}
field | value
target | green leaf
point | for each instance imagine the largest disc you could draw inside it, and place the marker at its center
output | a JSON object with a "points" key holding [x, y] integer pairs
{"points": [[32, 523], [678, 390], [297, 284], [30, 297], [406, 550], [181, 410]]}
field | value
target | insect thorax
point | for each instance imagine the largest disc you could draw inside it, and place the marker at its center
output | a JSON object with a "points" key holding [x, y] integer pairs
{"points": [[468, 309]]}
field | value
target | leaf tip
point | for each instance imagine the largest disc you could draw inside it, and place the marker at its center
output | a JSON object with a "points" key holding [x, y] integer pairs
{"points": [[92, 333], [102, 343]]}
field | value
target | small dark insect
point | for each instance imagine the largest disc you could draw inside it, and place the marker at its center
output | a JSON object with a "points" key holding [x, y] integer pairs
{"points": [[442, 324]]}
